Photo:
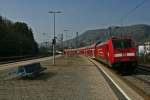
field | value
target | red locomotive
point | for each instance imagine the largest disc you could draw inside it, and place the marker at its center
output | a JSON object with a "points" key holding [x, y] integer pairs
{"points": [[116, 52]]}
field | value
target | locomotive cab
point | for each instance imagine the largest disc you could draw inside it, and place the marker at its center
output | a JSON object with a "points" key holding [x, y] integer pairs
{"points": [[124, 53]]}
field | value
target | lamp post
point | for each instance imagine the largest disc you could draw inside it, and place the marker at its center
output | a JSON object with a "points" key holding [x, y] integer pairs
{"points": [[54, 38], [62, 45]]}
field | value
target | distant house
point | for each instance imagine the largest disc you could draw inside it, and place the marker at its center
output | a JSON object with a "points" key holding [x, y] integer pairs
{"points": [[147, 47], [141, 49], [144, 49]]}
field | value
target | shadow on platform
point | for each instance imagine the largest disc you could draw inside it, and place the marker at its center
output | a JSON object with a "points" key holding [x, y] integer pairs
{"points": [[41, 76]]}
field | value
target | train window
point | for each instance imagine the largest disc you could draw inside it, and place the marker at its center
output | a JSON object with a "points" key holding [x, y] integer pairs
{"points": [[119, 44], [127, 44]]}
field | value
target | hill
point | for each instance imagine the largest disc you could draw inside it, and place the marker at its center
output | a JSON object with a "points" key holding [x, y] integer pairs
{"points": [[139, 33]]}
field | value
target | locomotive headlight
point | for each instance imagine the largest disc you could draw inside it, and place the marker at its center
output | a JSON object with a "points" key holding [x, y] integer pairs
{"points": [[130, 54], [118, 55]]}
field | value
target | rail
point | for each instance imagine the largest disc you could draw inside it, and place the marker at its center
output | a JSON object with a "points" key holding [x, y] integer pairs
{"points": [[144, 67], [5, 60]]}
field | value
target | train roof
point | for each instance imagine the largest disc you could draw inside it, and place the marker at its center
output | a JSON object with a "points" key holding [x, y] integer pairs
{"points": [[119, 37], [112, 38]]}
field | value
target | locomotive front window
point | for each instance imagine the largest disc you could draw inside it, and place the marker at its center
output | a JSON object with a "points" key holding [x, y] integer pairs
{"points": [[119, 44]]}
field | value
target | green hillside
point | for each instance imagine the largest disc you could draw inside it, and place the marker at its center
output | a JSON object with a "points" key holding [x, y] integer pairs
{"points": [[16, 38]]}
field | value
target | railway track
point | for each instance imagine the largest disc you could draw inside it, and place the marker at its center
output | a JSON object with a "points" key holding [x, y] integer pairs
{"points": [[144, 68], [117, 83], [5, 60], [139, 80]]}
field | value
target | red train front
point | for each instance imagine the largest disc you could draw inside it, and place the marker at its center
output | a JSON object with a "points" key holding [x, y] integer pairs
{"points": [[117, 53]]}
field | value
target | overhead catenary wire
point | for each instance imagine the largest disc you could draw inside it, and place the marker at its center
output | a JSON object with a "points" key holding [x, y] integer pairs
{"points": [[132, 10]]}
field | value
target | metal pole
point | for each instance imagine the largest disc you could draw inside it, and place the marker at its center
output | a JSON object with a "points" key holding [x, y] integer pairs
{"points": [[54, 39], [62, 42], [54, 42], [77, 43], [144, 52], [109, 32], [76, 39], [66, 32]]}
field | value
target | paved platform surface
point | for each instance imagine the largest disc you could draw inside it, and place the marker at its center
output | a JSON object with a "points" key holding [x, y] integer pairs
{"points": [[72, 78]]}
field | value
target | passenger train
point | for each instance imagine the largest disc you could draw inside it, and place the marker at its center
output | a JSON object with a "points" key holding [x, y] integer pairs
{"points": [[116, 52]]}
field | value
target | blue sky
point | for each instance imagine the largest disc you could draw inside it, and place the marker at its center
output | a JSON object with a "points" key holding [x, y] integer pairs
{"points": [[78, 15]]}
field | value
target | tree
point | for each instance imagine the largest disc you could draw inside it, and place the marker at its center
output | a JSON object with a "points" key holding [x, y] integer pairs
{"points": [[16, 38]]}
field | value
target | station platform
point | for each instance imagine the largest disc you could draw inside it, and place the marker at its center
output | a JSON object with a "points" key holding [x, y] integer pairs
{"points": [[71, 78]]}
